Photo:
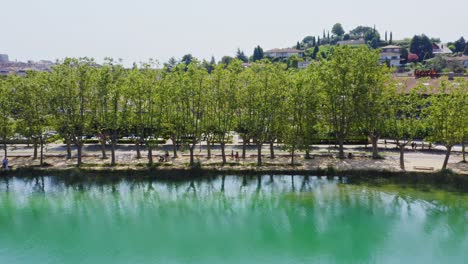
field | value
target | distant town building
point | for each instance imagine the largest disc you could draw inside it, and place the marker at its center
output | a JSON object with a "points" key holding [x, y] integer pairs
{"points": [[8, 67], [283, 53], [440, 49], [3, 58], [353, 42], [390, 54]]}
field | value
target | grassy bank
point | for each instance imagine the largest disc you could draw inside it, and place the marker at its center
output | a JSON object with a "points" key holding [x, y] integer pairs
{"points": [[446, 180]]}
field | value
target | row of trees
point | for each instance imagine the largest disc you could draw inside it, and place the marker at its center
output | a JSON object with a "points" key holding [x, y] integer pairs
{"points": [[347, 94]]}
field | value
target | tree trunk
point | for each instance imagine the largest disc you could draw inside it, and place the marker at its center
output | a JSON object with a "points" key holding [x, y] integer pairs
{"points": [[79, 146], [307, 153], [259, 154], [208, 147], [5, 147], [402, 157], [69, 151], [35, 149], [447, 156], [463, 151], [103, 146], [137, 144], [292, 156], [113, 143], [223, 152], [150, 154], [41, 161], [272, 150], [375, 149], [191, 155], [341, 154], [243, 148], [174, 147]]}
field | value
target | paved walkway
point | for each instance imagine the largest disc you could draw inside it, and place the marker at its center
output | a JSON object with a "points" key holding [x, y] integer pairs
{"points": [[419, 159]]}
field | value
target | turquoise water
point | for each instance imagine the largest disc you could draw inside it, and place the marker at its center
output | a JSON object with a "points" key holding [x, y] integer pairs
{"points": [[283, 219]]}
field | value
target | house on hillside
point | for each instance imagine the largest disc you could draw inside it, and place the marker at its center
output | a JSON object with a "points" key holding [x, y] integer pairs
{"points": [[390, 54], [353, 42], [283, 53], [440, 49]]}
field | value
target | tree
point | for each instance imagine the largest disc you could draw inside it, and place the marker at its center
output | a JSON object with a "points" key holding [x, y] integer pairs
{"points": [[226, 60], [465, 52], [342, 84], [262, 104], [364, 32], [241, 56], [189, 101], [374, 43], [421, 46], [391, 38], [460, 45], [110, 106], [146, 110], [171, 63], [404, 123], [209, 66], [72, 84], [446, 115], [187, 59], [309, 41], [6, 110], [403, 56], [32, 109], [223, 91], [258, 53], [302, 111], [314, 54], [338, 30], [372, 107]]}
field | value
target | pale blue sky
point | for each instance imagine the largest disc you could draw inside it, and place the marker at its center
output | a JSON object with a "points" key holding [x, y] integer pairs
{"points": [[140, 29]]}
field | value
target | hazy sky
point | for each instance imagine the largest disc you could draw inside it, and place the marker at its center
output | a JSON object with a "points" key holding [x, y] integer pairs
{"points": [[140, 29]]}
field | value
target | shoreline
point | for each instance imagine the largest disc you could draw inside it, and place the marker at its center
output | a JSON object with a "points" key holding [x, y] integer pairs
{"points": [[446, 180]]}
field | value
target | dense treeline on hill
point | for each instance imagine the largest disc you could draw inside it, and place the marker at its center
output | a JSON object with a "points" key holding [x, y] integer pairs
{"points": [[348, 94], [415, 52]]}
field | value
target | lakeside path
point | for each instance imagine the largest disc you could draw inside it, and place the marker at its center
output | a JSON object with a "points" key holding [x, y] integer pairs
{"points": [[324, 156]]}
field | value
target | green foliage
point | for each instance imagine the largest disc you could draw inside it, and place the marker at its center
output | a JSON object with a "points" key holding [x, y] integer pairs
{"points": [[226, 60], [338, 30], [346, 78], [460, 45], [447, 111], [346, 94], [421, 46], [257, 54], [241, 56], [187, 59], [404, 55]]}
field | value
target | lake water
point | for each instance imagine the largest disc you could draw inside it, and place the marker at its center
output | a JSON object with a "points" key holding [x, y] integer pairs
{"points": [[283, 219]]}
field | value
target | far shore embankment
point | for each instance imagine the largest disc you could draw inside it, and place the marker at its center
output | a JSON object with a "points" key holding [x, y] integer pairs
{"points": [[422, 166]]}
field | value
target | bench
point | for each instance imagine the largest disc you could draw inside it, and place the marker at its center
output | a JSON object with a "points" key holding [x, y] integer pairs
{"points": [[423, 168]]}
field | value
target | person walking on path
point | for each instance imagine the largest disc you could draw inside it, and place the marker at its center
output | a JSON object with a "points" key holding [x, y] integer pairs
{"points": [[5, 163]]}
